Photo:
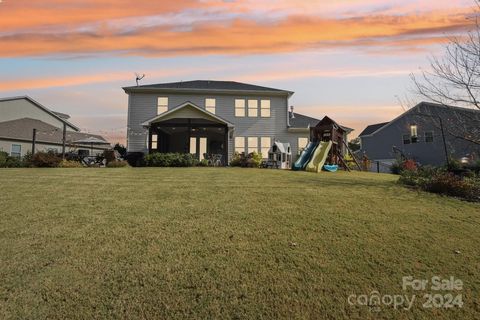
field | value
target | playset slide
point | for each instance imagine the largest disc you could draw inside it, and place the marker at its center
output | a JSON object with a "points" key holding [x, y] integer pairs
{"points": [[304, 157], [319, 156]]}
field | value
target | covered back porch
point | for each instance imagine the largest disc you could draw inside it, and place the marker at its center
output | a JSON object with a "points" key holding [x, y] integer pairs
{"points": [[190, 129]]}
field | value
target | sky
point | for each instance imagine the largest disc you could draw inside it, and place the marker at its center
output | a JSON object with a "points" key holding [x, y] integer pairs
{"points": [[347, 59]]}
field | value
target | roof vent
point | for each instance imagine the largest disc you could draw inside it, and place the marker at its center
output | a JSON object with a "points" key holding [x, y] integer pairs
{"points": [[292, 115]]}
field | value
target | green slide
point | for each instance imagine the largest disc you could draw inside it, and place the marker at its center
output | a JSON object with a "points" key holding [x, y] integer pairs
{"points": [[319, 156]]}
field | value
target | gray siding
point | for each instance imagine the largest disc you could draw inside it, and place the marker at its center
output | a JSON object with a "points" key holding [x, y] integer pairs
{"points": [[143, 106], [378, 146]]}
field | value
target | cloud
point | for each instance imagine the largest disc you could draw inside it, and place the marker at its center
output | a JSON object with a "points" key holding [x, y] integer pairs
{"points": [[188, 27]]}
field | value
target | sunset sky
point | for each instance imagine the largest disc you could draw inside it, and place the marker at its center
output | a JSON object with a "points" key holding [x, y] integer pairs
{"points": [[348, 59]]}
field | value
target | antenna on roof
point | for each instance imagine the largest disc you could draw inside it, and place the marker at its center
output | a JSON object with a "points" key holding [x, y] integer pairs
{"points": [[292, 115], [138, 77]]}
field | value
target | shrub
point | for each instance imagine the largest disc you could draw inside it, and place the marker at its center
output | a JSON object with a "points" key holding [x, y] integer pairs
{"points": [[117, 164], [7, 161], [70, 164], [170, 160], [135, 159], [252, 160], [439, 180], [48, 159], [109, 155]]}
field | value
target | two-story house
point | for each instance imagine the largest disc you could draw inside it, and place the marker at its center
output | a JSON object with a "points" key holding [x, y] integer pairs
{"points": [[212, 117], [429, 133]]}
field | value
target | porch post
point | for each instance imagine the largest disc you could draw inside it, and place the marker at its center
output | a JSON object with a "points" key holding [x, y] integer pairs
{"points": [[189, 123], [150, 139], [226, 145]]}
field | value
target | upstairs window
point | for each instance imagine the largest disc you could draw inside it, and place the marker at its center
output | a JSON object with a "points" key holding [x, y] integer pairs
{"points": [[429, 136], [265, 144], [240, 144], [210, 105], [252, 108], [414, 133], [265, 108], [16, 150], [162, 105], [406, 139], [252, 144], [239, 108]]}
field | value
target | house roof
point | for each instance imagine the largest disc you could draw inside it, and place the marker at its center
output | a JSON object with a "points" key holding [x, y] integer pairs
{"points": [[60, 116], [188, 104], [471, 115], [372, 128], [22, 129], [207, 85]]}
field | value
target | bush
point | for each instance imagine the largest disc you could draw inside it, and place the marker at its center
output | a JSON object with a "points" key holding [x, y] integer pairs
{"points": [[439, 180], [170, 160], [48, 159], [7, 161], [135, 159], [117, 164], [70, 164], [252, 160]]}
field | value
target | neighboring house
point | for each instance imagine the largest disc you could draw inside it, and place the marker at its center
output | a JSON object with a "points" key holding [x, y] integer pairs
{"points": [[19, 116], [212, 117], [428, 133]]}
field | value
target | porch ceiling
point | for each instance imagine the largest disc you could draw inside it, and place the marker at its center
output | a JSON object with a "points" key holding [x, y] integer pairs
{"points": [[187, 110]]}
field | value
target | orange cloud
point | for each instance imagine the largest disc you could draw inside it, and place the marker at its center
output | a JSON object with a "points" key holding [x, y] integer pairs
{"points": [[242, 36]]}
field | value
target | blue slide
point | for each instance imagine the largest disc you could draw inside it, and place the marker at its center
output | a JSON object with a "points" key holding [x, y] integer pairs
{"points": [[304, 156]]}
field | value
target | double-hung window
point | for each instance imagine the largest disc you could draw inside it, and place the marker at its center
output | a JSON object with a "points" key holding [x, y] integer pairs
{"points": [[429, 136], [162, 105], [210, 105], [240, 144], [265, 144], [239, 108], [253, 108], [16, 150], [154, 142], [252, 144], [265, 108], [302, 143]]}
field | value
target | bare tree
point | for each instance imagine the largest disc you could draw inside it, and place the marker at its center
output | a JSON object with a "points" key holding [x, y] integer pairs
{"points": [[454, 79]]}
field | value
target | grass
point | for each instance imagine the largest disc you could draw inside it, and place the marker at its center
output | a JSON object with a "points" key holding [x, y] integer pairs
{"points": [[225, 243]]}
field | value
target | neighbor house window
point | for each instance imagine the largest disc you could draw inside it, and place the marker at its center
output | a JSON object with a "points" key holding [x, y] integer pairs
{"points": [[252, 144], [252, 108], [302, 143], [210, 105], [16, 150], [239, 144], [429, 136], [406, 139], [239, 108], [265, 144], [265, 108], [162, 105], [154, 141], [414, 133]]}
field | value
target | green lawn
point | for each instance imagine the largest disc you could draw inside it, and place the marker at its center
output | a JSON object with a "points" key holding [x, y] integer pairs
{"points": [[225, 243]]}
